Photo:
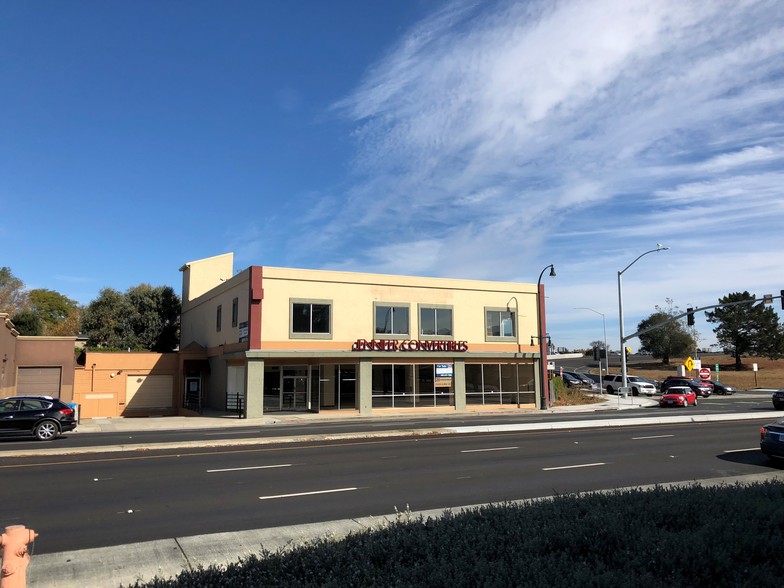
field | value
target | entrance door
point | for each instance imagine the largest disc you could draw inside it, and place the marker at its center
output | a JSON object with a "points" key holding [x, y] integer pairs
{"points": [[294, 392], [347, 387]]}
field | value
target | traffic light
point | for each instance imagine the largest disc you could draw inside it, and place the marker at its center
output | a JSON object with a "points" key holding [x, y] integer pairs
{"points": [[690, 317], [782, 300]]}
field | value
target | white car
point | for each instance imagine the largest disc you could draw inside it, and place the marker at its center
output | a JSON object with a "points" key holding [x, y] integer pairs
{"points": [[637, 385]]}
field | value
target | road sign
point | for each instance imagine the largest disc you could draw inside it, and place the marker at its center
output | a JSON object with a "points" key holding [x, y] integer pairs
{"points": [[689, 363], [704, 373]]}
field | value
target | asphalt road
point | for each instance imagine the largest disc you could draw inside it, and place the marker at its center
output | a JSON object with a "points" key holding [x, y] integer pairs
{"points": [[746, 401], [77, 502]]}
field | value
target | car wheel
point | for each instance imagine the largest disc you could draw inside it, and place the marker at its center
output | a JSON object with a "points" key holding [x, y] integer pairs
{"points": [[685, 403], [778, 406], [635, 392], [695, 401], [46, 430], [609, 390]]}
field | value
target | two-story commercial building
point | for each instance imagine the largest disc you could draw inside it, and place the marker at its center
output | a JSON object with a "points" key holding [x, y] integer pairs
{"points": [[269, 339]]}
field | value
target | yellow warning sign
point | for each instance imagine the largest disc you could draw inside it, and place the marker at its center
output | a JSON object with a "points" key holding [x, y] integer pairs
{"points": [[689, 363]]}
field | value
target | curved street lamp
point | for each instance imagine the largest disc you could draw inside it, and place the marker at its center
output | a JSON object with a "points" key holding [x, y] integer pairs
{"points": [[659, 247], [540, 336]]}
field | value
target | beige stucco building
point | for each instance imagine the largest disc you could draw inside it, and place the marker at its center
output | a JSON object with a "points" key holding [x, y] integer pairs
{"points": [[269, 339]]}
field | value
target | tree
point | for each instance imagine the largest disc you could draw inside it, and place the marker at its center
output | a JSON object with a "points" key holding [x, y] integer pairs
{"points": [[746, 328], [671, 339], [145, 317], [27, 322], [57, 312], [13, 297]]}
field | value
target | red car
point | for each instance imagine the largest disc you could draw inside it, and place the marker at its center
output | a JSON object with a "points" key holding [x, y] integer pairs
{"points": [[678, 396]]}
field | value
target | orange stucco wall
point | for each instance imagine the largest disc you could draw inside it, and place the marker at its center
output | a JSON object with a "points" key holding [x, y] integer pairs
{"points": [[49, 352], [100, 385]]}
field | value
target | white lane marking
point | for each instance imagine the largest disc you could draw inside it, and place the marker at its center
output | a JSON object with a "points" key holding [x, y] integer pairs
{"points": [[582, 465], [233, 433], [652, 437], [307, 493], [741, 450], [282, 465], [491, 449]]}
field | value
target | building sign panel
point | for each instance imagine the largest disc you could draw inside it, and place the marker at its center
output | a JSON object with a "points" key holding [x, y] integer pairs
{"points": [[243, 328], [408, 345]]}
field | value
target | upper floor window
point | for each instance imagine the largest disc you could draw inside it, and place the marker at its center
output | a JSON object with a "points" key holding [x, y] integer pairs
{"points": [[435, 321], [311, 318], [391, 319], [500, 323], [235, 311], [218, 318]]}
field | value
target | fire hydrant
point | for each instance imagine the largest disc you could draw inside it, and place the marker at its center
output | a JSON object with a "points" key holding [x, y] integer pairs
{"points": [[13, 550]]}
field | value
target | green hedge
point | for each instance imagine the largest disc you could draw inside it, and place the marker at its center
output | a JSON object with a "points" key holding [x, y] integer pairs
{"points": [[686, 536]]}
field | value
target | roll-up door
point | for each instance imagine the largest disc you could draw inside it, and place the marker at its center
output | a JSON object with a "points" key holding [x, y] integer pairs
{"points": [[39, 380], [149, 391]]}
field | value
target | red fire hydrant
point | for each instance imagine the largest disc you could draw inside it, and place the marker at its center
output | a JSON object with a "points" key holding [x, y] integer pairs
{"points": [[13, 550]]}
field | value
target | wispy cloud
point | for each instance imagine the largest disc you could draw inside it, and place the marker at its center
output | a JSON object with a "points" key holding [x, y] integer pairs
{"points": [[497, 137]]}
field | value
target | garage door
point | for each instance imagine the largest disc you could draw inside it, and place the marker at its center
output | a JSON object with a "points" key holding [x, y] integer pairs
{"points": [[149, 391], [39, 380]]}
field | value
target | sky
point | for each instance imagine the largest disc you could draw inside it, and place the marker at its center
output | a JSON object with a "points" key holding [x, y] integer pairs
{"points": [[479, 139]]}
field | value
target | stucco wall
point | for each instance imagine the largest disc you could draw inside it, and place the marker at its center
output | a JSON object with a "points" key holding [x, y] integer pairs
{"points": [[100, 385], [8, 337], [49, 352]]}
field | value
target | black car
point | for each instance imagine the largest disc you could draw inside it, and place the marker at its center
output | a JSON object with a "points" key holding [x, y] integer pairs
{"points": [[41, 416], [772, 439], [723, 389], [778, 399], [701, 387]]}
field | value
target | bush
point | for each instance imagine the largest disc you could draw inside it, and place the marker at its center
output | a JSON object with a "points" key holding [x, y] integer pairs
{"points": [[687, 536]]}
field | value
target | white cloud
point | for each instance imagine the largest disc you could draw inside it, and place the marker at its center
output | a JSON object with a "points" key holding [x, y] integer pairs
{"points": [[498, 137]]}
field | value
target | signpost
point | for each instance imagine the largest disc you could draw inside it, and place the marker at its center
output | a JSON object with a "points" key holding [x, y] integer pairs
{"points": [[704, 373]]}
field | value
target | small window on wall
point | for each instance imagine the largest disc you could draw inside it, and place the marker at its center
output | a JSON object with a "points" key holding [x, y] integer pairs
{"points": [[311, 319], [500, 324], [235, 311], [391, 320], [218, 318], [435, 322]]}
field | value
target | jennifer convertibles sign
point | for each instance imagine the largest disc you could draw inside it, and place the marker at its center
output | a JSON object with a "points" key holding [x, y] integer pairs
{"points": [[408, 345]]}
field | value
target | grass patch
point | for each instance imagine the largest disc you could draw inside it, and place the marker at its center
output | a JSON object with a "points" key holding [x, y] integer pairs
{"points": [[684, 536]]}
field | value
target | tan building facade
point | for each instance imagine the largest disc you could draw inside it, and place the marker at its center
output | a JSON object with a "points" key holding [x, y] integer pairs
{"points": [[268, 339]]}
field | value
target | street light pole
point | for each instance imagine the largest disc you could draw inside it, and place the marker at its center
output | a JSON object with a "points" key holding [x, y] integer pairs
{"points": [[539, 321], [606, 351], [659, 247]]}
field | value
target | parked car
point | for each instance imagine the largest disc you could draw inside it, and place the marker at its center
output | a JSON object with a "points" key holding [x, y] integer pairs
{"points": [[571, 381], [43, 417], [636, 384], [772, 439], [587, 382], [701, 387], [778, 399], [678, 396], [722, 389]]}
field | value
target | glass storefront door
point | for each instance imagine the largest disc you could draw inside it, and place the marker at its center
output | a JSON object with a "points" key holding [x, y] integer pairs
{"points": [[286, 388], [294, 392]]}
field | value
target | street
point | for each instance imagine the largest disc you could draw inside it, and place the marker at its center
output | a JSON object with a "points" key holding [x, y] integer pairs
{"points": [[77, 502]]}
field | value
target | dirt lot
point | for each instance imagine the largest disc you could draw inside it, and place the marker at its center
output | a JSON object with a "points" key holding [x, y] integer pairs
{"points": [[770, 372]]}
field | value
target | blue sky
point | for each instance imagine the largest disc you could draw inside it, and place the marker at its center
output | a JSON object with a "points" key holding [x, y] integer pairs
{"points": [[439, 138]]}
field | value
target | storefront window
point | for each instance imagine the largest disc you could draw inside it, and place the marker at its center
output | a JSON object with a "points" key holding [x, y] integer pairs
{"points": [[500, 383], [409, 386]]}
